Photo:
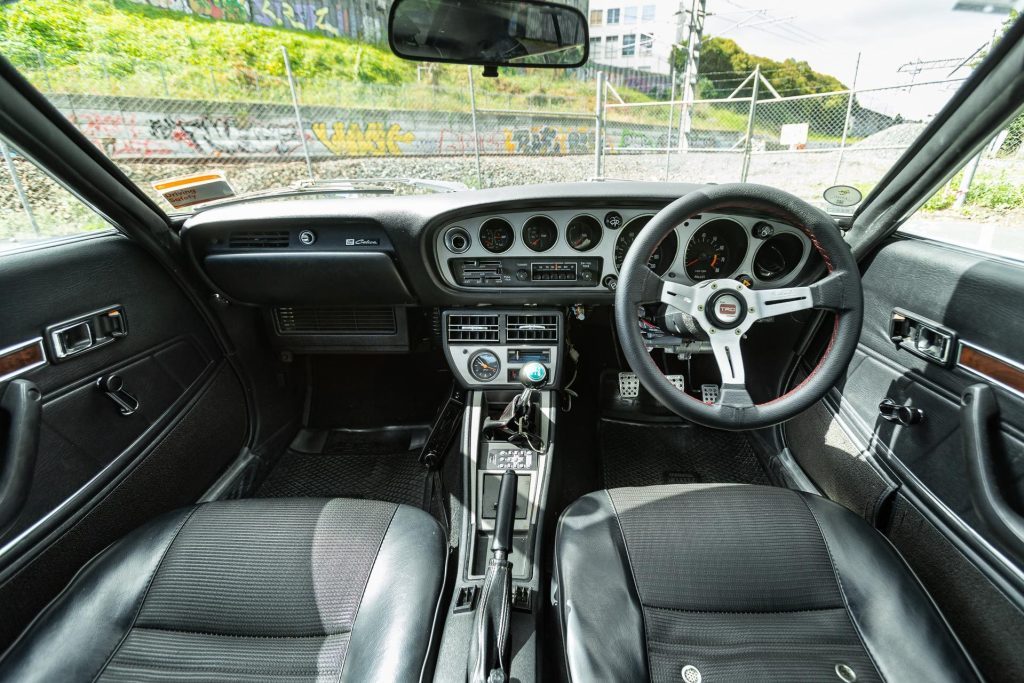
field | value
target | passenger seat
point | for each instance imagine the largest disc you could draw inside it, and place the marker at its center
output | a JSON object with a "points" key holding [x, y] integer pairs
{"points": [[253, 590]]}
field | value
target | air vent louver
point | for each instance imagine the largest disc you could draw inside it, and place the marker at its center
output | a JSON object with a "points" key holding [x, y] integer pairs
{"points": [[464, 327], [336, 320], [535, 327], [259, 240]]}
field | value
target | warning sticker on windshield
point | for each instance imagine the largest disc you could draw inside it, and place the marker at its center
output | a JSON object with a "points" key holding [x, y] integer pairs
{"points": [[197, 188]]}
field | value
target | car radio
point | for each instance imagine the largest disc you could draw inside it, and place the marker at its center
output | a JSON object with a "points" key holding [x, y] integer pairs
{"points": [[527, 272]]}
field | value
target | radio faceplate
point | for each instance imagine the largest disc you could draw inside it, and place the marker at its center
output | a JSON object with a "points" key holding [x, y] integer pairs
{"points": [[527, 272]]}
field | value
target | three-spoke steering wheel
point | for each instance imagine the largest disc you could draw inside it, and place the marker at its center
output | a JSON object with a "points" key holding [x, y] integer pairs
{"points": [[723, 310]]}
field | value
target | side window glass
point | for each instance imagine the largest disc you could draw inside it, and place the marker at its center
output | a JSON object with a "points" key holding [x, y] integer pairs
{"points": [[982, 206], [34, 207]]}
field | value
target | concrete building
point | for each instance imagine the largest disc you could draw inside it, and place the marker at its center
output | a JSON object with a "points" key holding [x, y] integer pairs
{"points": [[637, 34]]}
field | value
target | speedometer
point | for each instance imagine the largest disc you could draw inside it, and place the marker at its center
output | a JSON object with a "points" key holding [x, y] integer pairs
{"points": [[663, 255], [715, 250]]}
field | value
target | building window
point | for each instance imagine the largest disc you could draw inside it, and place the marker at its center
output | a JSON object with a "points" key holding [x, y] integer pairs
{"points": [[595, 17], [611, 46], [647, 13], [646, 44], [595, 47], [629, 15], [629, 45], [613, 16]]}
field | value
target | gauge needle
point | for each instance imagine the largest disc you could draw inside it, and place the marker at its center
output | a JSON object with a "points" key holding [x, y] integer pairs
{"points": [[714, 260], [484, 365], [693, 262]]}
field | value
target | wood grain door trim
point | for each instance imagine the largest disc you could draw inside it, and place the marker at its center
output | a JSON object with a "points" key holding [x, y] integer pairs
{"points": [[996, 369], [20, 358]]}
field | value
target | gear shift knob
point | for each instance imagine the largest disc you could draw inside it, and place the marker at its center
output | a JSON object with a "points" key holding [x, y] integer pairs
{"points": [[533, 375]]}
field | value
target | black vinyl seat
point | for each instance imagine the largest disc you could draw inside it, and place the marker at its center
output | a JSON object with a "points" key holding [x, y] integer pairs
{"points": [[253, 590], [740, 583]]}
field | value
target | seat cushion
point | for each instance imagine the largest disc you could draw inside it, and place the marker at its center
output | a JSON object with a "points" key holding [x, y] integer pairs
{"points": [[739, 582], [299, 589]]}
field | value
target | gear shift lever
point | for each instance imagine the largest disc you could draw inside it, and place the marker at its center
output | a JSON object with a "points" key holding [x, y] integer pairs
{"points": [[514, 424]]}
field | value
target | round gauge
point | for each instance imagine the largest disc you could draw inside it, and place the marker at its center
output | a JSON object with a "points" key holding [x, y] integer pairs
{"points": [[540, 233], [778, 256], [484, 365], [497, 235], [583, 233], [715, 250], [662, 257]]}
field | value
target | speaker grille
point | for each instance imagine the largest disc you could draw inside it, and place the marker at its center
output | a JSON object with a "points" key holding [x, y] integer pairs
{"points": [[335, 320]]}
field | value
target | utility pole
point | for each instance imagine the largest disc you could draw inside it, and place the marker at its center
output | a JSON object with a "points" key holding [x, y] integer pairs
{"points": [[697, 14]]}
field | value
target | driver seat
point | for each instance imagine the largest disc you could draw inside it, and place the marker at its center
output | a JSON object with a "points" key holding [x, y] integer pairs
{"points": [[732, 582]]}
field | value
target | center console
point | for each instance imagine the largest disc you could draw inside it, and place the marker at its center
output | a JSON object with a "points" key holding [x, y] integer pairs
{"points": [[491, 445]]}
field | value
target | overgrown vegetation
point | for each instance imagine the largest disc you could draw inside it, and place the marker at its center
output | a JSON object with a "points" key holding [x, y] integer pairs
{"points": [[122, 48]]}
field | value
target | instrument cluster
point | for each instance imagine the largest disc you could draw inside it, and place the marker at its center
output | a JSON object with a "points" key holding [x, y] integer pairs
{"points": [[586, 248]]}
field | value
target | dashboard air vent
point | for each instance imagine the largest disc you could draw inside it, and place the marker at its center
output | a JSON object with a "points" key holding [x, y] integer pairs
{"points": [[277, 239], [472, 327], [533, 327], [336, 320]]}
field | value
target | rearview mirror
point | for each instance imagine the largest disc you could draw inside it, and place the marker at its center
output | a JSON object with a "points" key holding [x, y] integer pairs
{"points": [[489, 32]]}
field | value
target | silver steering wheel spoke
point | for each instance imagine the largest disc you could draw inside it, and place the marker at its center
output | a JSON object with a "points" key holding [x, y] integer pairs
{"points": [[729, 356]]}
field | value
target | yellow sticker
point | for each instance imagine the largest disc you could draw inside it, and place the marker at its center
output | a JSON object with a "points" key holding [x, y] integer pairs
{"points": [[193, 189]]}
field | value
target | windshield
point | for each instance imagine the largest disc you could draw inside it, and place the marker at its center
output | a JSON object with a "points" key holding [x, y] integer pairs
{"points": [[282, 95]]}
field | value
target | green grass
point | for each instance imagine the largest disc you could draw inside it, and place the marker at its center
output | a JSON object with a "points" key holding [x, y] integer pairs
{"points": [[115, 47]]}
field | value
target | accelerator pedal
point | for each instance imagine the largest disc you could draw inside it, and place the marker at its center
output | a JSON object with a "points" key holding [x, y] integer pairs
{"points": [[709, 393]]}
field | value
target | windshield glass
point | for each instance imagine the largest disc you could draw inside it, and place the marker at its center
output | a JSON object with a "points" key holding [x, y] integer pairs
{"points": [[284, 95]]}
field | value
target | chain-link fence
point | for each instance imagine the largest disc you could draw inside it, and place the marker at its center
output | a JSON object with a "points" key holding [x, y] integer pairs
{"points": [[269, 131]]}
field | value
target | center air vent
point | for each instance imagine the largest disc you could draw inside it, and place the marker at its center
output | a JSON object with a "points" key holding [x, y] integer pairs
{"points": [[472, 327], [277, 239], [335, 320], [533, 327]]}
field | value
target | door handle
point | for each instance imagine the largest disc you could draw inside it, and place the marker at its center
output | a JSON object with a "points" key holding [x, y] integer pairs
{"points": [[979, 417], [23, 404]]}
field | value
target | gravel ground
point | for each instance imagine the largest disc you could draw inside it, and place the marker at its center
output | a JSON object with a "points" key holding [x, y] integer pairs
{"points": [[804, 174]]}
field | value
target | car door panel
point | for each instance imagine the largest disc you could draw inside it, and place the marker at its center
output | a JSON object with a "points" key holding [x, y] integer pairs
{"points": [[99, 472], [975, 580]]}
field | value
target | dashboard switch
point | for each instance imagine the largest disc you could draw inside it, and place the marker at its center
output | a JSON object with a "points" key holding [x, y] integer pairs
{"points": [[611, 282]]}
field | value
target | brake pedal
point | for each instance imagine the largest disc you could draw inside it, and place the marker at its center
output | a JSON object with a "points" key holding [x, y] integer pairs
{"points": [[709, 393], [677, 381]]}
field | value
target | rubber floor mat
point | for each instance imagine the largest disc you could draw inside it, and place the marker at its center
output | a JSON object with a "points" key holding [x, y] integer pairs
{"points": [[643, 454], [379, 464]]}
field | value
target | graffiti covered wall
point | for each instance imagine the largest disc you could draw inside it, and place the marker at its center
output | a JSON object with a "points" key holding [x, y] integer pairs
{"points": [[141, 128]]}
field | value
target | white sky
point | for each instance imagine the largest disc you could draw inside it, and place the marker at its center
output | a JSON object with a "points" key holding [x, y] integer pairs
{"points": [[828, 34]]}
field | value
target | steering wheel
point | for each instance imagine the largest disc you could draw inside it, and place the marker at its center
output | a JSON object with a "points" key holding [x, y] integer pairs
{"points": [[721, 311]]}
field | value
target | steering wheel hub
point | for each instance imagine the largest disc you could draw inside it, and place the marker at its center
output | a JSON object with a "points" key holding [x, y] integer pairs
{"points": [[725, 309]]}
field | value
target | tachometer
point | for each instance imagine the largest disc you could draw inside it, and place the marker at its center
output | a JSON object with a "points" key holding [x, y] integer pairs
{"points": [[540, 233], [497, 235], [583, 233], [484, 365], [715, 250], [662, 257]]}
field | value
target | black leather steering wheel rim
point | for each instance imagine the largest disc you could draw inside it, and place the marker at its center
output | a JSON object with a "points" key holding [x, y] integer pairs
{"points": [[840, 291]]}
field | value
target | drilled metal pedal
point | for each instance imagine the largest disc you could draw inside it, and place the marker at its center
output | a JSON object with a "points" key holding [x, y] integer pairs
{"points": [[629, 385], [709, 393], [677, 381]]}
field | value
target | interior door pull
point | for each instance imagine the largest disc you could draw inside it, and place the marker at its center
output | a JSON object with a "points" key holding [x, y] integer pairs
{"points": [[979, 417], [903, 414], [23, 404]]}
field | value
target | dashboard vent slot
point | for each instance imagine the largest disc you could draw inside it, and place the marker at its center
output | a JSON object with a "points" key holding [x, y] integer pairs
{"points": [[259, 240], [464, 327], [336, 320], [534, 327]]}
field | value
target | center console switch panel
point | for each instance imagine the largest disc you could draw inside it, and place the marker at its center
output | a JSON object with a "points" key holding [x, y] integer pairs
{"points": [[486, 347], [527, 272]]}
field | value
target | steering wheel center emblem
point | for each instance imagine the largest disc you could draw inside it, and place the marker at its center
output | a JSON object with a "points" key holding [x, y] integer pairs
{"points": [[726, 310]]}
